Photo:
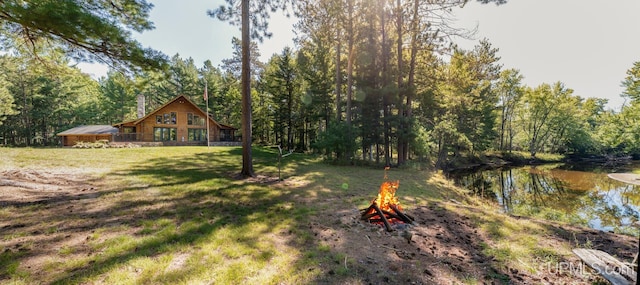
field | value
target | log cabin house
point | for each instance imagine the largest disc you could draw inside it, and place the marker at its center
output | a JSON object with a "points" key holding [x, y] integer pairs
{"points": [[177, 122]]}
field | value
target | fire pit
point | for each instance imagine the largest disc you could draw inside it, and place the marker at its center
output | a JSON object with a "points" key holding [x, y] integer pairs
{"points": [[385, 209]]}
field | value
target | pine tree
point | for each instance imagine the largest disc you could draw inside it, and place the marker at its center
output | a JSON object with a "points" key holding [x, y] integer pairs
{"points": [[86, 30], [260, 14]]}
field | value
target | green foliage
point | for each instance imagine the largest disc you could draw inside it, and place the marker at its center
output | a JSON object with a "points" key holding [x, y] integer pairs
{"points": [[47, 98], [509, 88], [281, 81], [220, 106], [334, 141], [549, 117], [466, 100], [259, 11], [85, 30], [118, 98], [405, 102], [584, 140], [422, 141], [233, 65], [631, 83], [618, 133], [182, 77], [313, 64], [7, 106]]}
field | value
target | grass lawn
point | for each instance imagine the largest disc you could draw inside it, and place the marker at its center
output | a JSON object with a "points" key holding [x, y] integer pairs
{"points": [[179, 215]]}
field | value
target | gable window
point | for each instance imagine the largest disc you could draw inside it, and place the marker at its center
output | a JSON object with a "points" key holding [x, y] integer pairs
{"points": [[194, 120], [164, 134], [167, 118]]}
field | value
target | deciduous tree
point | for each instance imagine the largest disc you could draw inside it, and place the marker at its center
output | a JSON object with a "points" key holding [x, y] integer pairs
{"points": [[509, 89], [631, 83]]}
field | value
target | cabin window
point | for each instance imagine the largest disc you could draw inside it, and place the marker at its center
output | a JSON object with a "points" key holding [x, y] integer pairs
{"points": [[167, 119], [129, 130], [164, 134], [197, 135], [226, 135], [194, 120]]}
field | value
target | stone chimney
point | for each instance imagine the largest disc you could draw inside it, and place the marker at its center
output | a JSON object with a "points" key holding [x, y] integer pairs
{"points": [[141, 110]]}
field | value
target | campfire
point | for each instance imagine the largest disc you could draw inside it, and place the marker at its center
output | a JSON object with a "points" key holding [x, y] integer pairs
{"points": [[385, 209]]}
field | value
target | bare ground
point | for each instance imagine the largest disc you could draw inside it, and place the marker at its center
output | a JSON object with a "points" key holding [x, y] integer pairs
{"points": [[445, 247], [448, 248]]}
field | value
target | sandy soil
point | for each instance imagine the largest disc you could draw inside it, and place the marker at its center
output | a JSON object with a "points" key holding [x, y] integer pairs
{"points": [[447, 248]]}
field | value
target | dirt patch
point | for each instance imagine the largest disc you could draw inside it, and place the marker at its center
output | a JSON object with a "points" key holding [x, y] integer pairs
{"points": [[448, 248], [44, 215], [25, 187], [178, 261]]}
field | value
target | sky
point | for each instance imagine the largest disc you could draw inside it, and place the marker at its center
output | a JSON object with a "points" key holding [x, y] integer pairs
{"points": [[184, 28], [586, 44]]}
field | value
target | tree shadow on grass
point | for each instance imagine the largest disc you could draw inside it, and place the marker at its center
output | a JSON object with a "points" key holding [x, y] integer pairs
{"points": [[194, 211], [621, 246], [187, 219]]}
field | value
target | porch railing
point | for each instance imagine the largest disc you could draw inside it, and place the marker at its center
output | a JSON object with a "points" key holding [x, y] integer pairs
{"points": [[128, 137], [139, 137]]}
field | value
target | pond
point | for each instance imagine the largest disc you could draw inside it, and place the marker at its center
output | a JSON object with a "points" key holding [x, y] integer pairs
{"points": [[578, 194]]}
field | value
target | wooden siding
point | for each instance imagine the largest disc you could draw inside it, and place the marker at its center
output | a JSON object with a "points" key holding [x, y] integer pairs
{"points": [[181, 108], [144, 127], [71, 140]]}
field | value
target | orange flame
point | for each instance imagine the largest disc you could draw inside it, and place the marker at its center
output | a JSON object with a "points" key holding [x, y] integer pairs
{"points": [[387, 196], [386, 199]]}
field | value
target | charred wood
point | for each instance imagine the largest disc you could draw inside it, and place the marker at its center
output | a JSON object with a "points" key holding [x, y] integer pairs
{"points": [[383, 218], [405, 217]]}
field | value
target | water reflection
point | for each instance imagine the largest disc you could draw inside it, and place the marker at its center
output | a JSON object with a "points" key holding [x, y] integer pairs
{"points": [[570, 193]]}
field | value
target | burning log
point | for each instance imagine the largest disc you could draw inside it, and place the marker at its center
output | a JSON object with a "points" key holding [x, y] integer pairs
{"points": [[382, 217], [386, 209], [403, 216], [391, 215]]}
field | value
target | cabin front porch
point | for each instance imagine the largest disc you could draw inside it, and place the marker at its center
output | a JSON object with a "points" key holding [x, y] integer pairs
{"points": [[142, 140]]}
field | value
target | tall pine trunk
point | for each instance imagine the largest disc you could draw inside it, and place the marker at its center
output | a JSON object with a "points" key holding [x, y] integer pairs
{"points": [[401, 108], [338, 76], [289, 117], [350, 59], [386, 55], [247, 163], [411, 89]]}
